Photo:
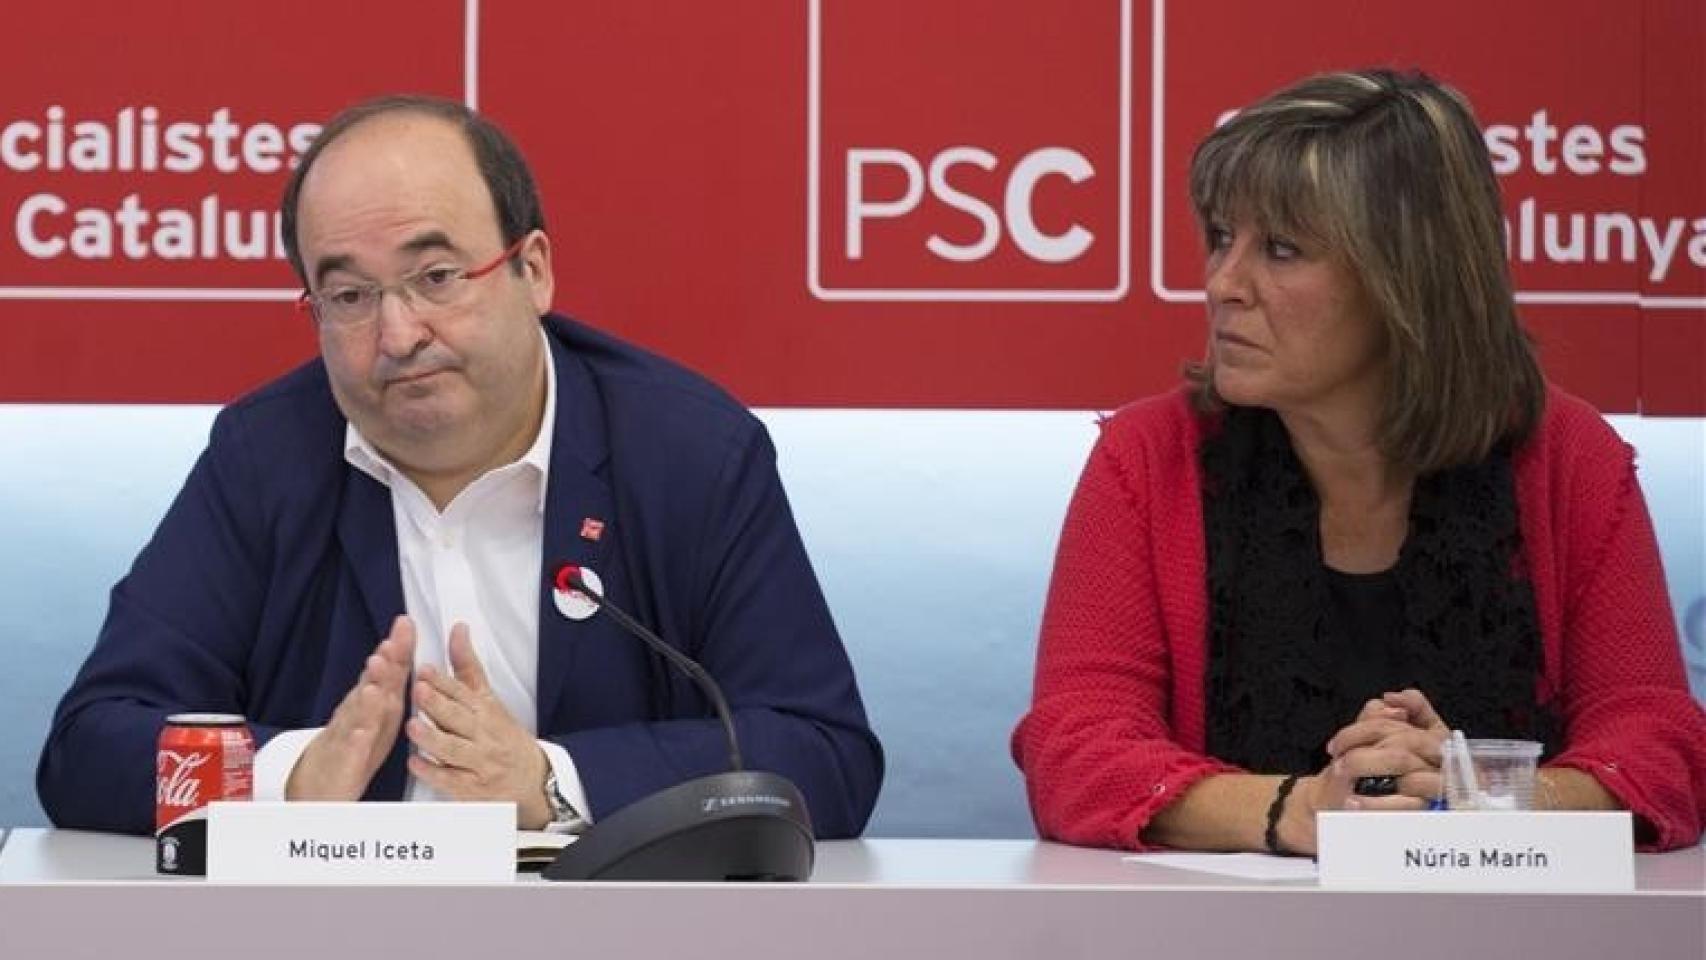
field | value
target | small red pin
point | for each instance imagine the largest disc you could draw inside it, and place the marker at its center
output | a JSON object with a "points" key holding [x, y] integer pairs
{"points": [[592, 529]]}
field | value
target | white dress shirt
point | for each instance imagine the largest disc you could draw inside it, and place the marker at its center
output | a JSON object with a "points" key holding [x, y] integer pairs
{"points": [[477, 562]]}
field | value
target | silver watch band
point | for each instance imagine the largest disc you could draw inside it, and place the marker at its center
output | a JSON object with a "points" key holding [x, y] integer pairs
{"points": [[564, 817]]}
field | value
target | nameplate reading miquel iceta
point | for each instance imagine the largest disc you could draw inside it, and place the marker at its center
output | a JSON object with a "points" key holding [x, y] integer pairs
{"points": [[378, 843], [1514, 851]]}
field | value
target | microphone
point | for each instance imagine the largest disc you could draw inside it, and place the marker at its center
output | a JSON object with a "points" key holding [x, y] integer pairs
{"points": [[569, 578], [739, 825]]}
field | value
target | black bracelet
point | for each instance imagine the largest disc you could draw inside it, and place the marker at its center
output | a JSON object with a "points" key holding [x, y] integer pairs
{"points": [[1270, 836]]}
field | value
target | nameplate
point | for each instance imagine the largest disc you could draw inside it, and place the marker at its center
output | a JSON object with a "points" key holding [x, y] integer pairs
{"points": [[379, 843], [1508, 851]]}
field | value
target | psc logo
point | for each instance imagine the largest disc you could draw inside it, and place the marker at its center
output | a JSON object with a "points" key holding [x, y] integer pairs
{"points": [[963, 151], [1018, 201]]}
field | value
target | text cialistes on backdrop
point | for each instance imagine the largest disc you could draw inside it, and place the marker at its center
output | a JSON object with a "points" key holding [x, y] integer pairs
{"points": [[152, 150]]}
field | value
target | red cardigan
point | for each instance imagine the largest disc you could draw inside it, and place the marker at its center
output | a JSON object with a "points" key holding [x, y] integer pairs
{"points": [[1115, 729]]}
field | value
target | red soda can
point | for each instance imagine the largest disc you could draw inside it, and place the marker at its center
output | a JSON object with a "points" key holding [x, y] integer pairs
{"points": [[203, 757]]}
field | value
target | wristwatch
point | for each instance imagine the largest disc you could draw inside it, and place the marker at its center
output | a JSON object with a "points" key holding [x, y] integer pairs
{"points": [[564, 817]]}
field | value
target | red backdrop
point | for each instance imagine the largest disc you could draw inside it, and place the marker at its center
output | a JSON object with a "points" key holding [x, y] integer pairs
{"points": [[965, 203]]}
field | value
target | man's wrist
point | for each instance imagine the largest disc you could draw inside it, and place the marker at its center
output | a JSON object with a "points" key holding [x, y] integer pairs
{"points": [[300, 783], [281, 770], [534, 811]]}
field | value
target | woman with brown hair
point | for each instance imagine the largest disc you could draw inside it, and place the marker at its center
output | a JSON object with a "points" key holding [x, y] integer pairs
{"points": [[1365, 519]]}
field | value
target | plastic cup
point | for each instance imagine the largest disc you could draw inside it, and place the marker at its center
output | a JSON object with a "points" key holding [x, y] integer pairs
{"points": [[1504, 773]]}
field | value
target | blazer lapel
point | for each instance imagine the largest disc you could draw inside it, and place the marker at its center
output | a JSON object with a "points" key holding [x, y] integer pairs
{"points": [[580, 525], [368, 533]]}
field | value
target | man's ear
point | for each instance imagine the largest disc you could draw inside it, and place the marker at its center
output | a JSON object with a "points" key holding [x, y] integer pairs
{"points": [[535, 259]]}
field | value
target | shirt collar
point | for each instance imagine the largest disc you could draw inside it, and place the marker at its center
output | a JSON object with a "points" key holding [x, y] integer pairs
{"points": [[364, 456]]}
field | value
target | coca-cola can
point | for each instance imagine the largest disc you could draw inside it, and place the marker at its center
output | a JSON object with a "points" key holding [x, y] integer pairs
{"points": [[203, 757]]}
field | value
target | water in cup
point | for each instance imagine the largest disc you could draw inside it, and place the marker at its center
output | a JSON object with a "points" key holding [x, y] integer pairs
{"points": [[1498, 774]]}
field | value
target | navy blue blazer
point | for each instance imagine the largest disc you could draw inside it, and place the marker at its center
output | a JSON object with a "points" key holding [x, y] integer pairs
{"points": [[274, 573]]}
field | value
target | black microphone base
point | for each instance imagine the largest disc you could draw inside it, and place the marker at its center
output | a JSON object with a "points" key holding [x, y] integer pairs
{"points": [[748, 825]]}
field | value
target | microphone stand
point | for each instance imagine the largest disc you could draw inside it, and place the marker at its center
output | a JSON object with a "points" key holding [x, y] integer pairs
{"points": [[739, 825]]}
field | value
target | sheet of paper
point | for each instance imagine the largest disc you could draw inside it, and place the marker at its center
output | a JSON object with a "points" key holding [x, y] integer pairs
{"points": [[536, 848], [1245, 866]]}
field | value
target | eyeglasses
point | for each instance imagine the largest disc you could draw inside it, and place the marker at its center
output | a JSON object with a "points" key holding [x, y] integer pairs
{"points": [[350, 306]]}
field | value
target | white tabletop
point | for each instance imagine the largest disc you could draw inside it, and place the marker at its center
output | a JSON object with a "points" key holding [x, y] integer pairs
{"points": [[884, 899]]}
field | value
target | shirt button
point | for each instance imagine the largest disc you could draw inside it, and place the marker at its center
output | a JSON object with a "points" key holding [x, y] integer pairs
{"points": [[1160, 788]]}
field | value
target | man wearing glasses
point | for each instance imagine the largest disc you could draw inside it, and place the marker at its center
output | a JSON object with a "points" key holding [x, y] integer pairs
{"points": [[362, 561]]}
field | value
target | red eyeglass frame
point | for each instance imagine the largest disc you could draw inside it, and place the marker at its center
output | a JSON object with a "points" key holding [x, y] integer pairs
{"points": [[305, 302]]}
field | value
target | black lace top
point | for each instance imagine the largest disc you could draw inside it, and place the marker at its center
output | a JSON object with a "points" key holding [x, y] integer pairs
{"points": [[1367, 625], [1283, 675]]}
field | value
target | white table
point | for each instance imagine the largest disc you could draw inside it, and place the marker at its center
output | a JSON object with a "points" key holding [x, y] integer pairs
{"points": [[73, 894]]}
